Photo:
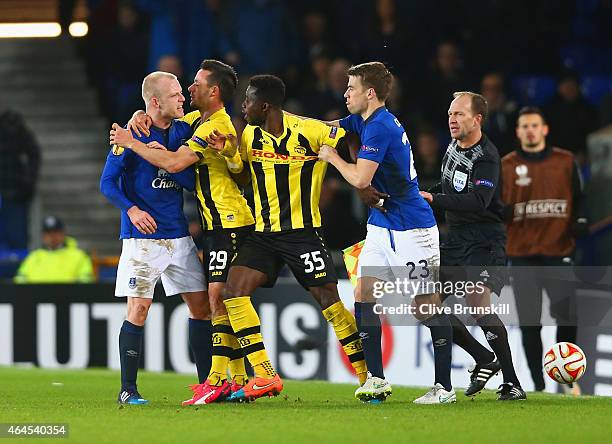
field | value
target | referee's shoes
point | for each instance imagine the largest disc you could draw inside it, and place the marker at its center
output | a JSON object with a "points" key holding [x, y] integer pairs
{"points": [[480, 375], [510, 392]]}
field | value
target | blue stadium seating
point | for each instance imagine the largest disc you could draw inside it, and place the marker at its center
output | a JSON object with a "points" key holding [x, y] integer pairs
{"points": [[534, 89], [596, 87]]}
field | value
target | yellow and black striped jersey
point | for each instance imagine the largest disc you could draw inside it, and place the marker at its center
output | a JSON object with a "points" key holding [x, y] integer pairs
{"points": [[286, 172], [220, 201]]}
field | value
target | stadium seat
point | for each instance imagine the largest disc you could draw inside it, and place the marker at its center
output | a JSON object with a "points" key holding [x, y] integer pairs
{"points": [[595, 88], [10, 259], [583, 59], [534, 90]]}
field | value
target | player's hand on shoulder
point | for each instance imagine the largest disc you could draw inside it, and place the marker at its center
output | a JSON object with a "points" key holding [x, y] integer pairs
{"points": [[373, 198], [142, 220], [326, 153], [224, 144], [120, 136], [140, 123], [427, 196], [156, 146]]}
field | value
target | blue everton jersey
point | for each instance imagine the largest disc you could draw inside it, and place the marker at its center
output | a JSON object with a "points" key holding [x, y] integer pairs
{"points": [[384, 141], [129, 180]]}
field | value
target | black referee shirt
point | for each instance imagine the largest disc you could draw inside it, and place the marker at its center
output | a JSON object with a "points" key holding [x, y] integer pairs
{"points": [[471, 184]]}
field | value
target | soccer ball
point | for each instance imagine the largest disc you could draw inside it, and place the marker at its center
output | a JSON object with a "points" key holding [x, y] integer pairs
{"points": [[565, 362]]}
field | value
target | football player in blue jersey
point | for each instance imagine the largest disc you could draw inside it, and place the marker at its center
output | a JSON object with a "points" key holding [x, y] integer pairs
{"points": [[156, 241], [402, 236]]}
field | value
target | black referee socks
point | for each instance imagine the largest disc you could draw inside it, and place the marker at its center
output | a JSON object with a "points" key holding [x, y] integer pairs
{"points": [[497, 337], [463, 338]]}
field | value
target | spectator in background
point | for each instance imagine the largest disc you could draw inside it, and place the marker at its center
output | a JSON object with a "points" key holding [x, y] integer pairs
{"points": [[499, 125], [570, 117], [327, 102], [547, 179], [427, 158], [58, 261], [315, 36], [187, 30], [19, 165], [444, 78], [264, 36], [316, 83], [388, 39], [428, 164], [127, 58]]}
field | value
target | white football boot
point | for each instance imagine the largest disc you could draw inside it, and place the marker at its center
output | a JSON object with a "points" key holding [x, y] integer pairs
{"points": [[374, 389], [437, 395]]}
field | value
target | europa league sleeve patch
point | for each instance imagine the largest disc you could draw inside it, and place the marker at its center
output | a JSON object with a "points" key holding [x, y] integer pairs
{"points": [[199, 141], [484, 183]]}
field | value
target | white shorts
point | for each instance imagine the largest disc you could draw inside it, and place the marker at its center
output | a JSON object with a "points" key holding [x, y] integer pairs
{"points": [[412, 255], [143, 261]]}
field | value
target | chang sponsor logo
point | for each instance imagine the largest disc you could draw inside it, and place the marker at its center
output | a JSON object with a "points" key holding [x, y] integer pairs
{"points": [[163, 181]]}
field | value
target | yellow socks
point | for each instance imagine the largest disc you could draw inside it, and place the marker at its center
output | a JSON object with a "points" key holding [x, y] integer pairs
{"points": [[345, 327], [246, 325], [222, 349]]}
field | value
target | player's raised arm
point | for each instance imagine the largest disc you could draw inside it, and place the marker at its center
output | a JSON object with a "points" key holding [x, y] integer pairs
{"points": [[171, 161]]}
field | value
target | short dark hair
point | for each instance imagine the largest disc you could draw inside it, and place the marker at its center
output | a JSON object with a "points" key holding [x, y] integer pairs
{"points": [[374, 75], [269, 89], [531, 110], [223, 76], [479, 103]]}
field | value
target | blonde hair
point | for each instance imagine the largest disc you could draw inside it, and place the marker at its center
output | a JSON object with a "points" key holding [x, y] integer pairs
{"points": [[150, 84]]}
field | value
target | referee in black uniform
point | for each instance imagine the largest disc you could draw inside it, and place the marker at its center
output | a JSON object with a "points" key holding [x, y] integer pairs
{"points": [[470, 193]]}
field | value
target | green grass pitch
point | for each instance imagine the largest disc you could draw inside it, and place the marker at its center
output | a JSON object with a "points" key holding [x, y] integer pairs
{"points": [[309, 412]]}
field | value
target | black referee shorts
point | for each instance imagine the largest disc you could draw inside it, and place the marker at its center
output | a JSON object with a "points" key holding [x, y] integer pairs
{"points": [[303, 250], [475, 253], [220, 248]]}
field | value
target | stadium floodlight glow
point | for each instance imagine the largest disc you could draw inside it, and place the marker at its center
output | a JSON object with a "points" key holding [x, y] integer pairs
{"points": [[40, 29], [24, 30], [78, 29]]}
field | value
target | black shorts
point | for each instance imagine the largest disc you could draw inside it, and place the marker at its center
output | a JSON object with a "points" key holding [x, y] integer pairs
{"points": [[475, 253], [303, 250], [220, 248]]}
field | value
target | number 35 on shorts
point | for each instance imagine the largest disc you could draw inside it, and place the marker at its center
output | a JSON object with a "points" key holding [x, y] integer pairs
{"points": [[313, 261]]}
